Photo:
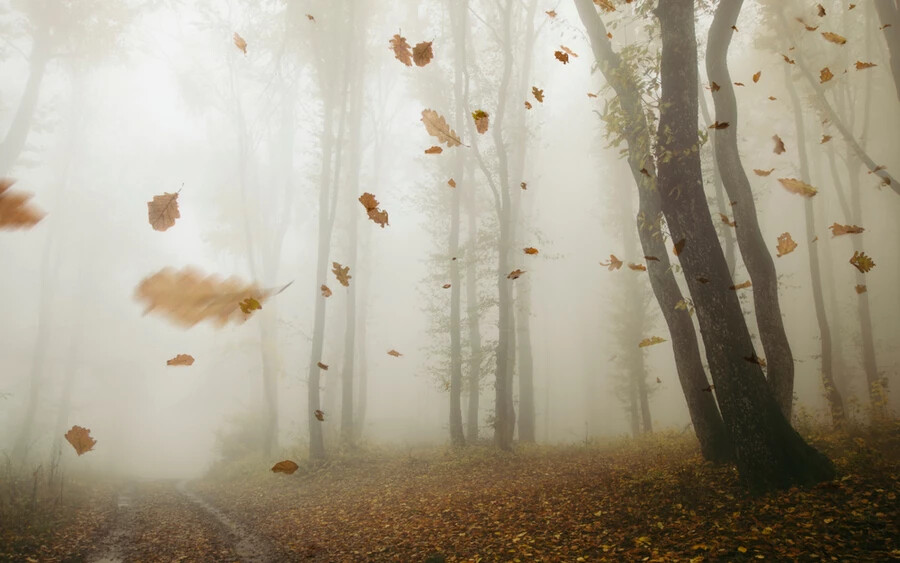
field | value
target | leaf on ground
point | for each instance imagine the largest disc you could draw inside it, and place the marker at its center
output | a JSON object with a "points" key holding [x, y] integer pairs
{"points": [[81, 440], [798, 187], [786, 245], [838, 230], [162, 211], [437, 127], [651, 341], [342, 273], [287, 467], [15, 211], [181, 360], [862, 262], [401, 49]]}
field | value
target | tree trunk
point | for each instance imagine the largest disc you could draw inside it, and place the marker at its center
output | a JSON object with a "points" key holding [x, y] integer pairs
{"points": [[707, 422], [757, 259], [889, 16], [768, 451], [526, 362], [473, 316]]}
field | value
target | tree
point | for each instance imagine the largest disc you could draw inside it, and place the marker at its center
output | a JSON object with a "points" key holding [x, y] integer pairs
{"points": [[889, 15], [768, 451]]}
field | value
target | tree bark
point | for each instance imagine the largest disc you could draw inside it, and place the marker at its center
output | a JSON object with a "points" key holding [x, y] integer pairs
{"points": [[707, 422], [768, 451], [757, 259], [889, 16], [473, 316]]}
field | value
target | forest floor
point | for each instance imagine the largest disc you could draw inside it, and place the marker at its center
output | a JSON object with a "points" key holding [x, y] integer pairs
{"points": [[652, 499]]}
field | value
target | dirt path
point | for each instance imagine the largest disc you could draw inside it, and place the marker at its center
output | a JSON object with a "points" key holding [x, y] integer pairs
{"points": [[165, 520]]}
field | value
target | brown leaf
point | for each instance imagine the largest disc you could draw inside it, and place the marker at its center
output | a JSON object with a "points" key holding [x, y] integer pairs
{"points": [[651, 341], [788, 60], [310, 17], [653, 258], [523, 185], [325, 291], [287, 467], [181, 360], [537, 93], [779, 144], [162, 211], [756, 76], [861, 289], [568, 51], [551, 13], [738, 83], [825, 75], [714, 87], [821, 10], [591, 95], [605, 5], [709, 389], [341, 273], [862, 262], [754, 359], [838, 230], [320, 416], [613, 263], [451, 182], [744, 285], [759, 172], [834, 37], [394, 353], [481, 121], [422, 53], [15, 212], [240, 43], [561, 57], [437, 126], [434, 150], [446, 286], [530, 250], [527, 104], [718, 125], [727, 221], [322, 366], [702, 280], [81, 440], [678, 247], [786, 245], [861, 65], [637, 267], [798, 187], [515, 274], [401, 49], [378, 216], [825, 139]]}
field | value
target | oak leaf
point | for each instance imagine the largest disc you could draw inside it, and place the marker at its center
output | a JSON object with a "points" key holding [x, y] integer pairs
{"points": [[786, 245], [240, 43], [287, 467], [81, 440], [401, 49], [162, 211], [515, 274], [181, 360], [530, 250], [341, 273], [437, 126], [838, 230], [325, 291], [651, 341], [760, 172], [378, 216], [481, 118], [15, 212], [613, 263], [537, 93], [834, 37], [422, 53], [798, 187], [862, 262]]}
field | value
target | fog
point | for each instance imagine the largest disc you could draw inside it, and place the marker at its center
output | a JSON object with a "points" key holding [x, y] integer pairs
{"points": [[124, 101]]}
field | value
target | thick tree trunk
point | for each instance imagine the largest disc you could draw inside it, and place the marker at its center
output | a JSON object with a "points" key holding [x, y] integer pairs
{"points": [[708, 425], [757, 259], [889, 17], [768, 451]]}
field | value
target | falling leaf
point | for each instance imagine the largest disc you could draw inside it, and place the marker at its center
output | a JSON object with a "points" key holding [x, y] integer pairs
{"points": [[341, 273], [561, 57], [825, 139], [799, 187], [568, 51], [637, 267], [834, 37], [451, 182], [325, 291], [378, 216], [653, 258], [591, 95], [446, 286], [883, 27], [788, 60], [523, 185], [481, 121], [862, 262], [759, 172], [809, 27], [81, 440], [322, 366], [837, 230], [188, 297], [15, 212], [861, 289], [181, 360], [738, 83], [163, 211], [422, 53], [702, 280], [401, 50], [727, 221], [678, 247], [744, 285], [287, 467], [515, 274], [437, 126], [658, 380], [718, 125], [779, 144], [709, 388], [249, 305], [742, 549], [825, 75], [773, 98], [605, 5], [821, 10], [645, 172], [714, 87], [310, 17], [537, 93], [734, 27], [527, 105], [613, 263], [651, 341], [754, 359], [320, 416], [786, 245], [434, 150], [609, 35], [530, 250], [861, 65], [850, 7], [551, 13], [394, 353], [240, 43], [756, 76]]}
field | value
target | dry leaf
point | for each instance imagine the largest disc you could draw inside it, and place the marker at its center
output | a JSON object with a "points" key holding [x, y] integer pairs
{"points": [[394, 353], [249, 305], [654, 258], [738, 83], [825, 139], [779, 144], [527, 104], [515, 274], [188, 297], [530, 250], [378, 216], [756, 76], [613, 263], [451, 182], [163, 211], [401, 49], [637, 267], [537, 93], [825, 75], [287, 467], [320, 416], [310, 17], [788, 60], [786, 245], [861, 65], [838, 230], [81, 440], [325, 291], [591, 95], [15, 212], [568, 51], [523, 185], [744, 285], [341, 273], [481, 121], [561, 57], [651, 341], [322, 366], [605, 5], [181, 360], [862, 262], [718, 125], [773, 98], [821, 10], [714, 87], [422, 53], [834, 37], [759, 172], [240, 43], [799, 187], [434, 150], [861, 289], [727, 221], [678, 247], [437, 127], [551, 13], [446, 286]]}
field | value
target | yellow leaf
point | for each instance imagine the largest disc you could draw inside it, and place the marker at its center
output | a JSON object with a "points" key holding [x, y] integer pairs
{"points": [[81, 440], [181, 360], [15, 212], [437, 127], [798, 187], [162, 211], [862, 262], [249, 305], [742, 549], [651, 341]]}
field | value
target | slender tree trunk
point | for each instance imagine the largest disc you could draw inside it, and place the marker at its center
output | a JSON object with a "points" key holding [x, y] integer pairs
{"points": [[526, 362], [889, 16], [473, 316], [634, 406], [757, 259], [769, 452], [708, 425]]}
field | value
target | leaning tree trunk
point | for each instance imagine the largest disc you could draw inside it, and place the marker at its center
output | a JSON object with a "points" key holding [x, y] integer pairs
{"points": [[756, 257], [889, 16], [768, 451], [707, 422]]}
